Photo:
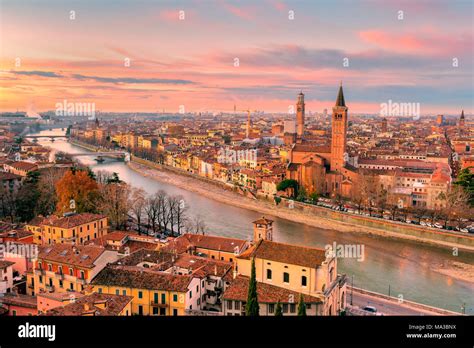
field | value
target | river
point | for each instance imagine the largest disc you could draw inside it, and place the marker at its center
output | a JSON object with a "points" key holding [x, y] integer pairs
{"points": [[402, 266]]}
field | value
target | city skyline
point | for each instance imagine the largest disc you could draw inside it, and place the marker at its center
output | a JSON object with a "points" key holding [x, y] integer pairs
{"points": [[191, 62]]}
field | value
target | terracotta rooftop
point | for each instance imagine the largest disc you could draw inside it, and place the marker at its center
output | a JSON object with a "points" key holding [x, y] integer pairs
{"points": [[19, 300], [186, 241], [9, 176], [266, 293], [4, 264], [285, 253], [20, 165], [263, 221], [78, 255], [141, 278], [72, 221], [93, 305]]}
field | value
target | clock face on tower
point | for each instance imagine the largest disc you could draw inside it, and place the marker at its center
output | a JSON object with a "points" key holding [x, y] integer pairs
{"points": [[299, 108]]}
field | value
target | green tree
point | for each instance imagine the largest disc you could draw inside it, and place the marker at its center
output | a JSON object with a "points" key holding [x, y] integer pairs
{"points": [[314, 197], [466, 181], [301, 307], [302, 194], [252, 308], [278, 310], [114, 179], [289, 184]]}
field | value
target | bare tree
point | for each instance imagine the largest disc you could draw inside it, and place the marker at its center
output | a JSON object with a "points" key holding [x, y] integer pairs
{"points": [[197, 225], [116, 203], [177, 207], [137, 208], [152, 211]]}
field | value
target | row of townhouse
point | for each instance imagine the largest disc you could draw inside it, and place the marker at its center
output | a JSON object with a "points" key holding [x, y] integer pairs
{"points": [[71, 228]]}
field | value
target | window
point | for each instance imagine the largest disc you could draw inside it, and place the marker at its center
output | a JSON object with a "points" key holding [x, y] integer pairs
{"points": [[286, 277], [124, 292], [140, 310], [175, 312], [229, 304], [163, 298], [190, 294], [308, 306], [285, 307], [50, 267], [271, 308], [269, 274], [71, 272], [100, 290], [303, 281], [155, 310], [140, 294], [237, 304], [175, 298], [71, 286], [292, 308], [117, 292], [60, 283]]}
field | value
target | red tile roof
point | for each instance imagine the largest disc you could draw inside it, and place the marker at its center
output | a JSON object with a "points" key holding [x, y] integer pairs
{"points": [[94, 305], [285, 253], [73, 220], [266, 293]]}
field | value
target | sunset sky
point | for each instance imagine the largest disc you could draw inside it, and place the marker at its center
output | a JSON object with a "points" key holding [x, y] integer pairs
{"points": [[190, 62]]}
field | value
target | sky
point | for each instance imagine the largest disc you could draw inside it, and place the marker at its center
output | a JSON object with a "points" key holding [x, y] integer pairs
{"points": [[140, 55]]}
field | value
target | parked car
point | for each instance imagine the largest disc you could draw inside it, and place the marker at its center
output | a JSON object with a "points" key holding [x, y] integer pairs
{"points": [[438, 225], [371, 309]]}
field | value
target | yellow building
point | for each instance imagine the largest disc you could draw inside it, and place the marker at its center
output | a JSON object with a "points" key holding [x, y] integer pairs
{"points": [[308, 271], [154, 293], [74, 228], [67, 267]]}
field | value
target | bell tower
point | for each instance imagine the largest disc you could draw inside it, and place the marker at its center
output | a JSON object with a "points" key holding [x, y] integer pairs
{"points": [[262, 229], [339, 132], [300, 116]]}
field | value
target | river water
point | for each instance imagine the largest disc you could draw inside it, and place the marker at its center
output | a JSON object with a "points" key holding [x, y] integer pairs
{"points": [[402, 266]]}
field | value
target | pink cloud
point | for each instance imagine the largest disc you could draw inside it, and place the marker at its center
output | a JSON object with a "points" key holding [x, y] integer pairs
{"points": [[247, 13], [425, 42]]}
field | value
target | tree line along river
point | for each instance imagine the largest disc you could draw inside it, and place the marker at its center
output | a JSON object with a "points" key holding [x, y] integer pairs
{"points": [[405, 267]]}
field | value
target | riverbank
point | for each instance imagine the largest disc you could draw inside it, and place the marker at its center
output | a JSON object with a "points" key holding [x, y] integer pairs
{"points": [[219, 192], [457, 270]]}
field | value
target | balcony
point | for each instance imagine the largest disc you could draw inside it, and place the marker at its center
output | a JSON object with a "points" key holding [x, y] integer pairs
{"points": [[158, 304], [49, 288]]}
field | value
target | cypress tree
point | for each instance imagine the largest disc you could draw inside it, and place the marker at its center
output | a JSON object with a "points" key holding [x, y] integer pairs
{"points": [[251, 308], [278, 310], [301, 307]]}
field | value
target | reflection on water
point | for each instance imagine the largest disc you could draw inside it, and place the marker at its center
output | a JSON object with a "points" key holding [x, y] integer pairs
{"points": [[400, 265]]}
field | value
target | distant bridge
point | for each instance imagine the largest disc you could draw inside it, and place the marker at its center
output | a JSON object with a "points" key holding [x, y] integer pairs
{"points": [[121, 155], [45, 136]]}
